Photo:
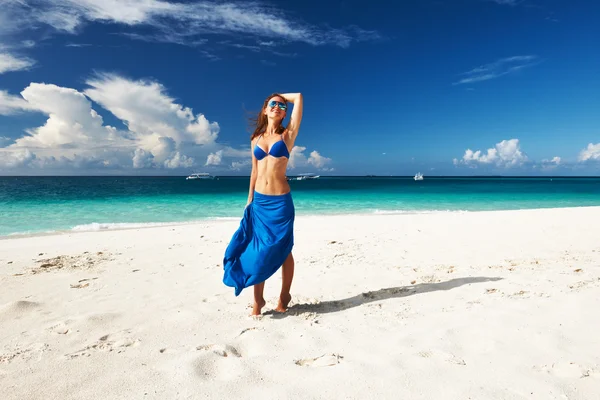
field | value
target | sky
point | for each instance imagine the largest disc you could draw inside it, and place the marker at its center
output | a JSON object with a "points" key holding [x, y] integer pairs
{"points": [[442, 87]]}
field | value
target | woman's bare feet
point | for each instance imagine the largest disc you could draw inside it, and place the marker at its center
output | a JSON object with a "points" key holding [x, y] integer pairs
{"points": [[259, 300], [257, 307], [284, 300], [287, 275]]}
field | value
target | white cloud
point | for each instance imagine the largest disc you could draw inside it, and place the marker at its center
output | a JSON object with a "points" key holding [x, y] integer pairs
{"points": [[9, 62], [10, 104], [298, 159], [8, 21], [555, 160], [142, 158], [16, 159], [318, 160], [78, 45], [243, 152], [498, 68], [182, 22], [178, 160], [507, 153], [149, 112], [165, 152], [163, 149], [239, 165], [214, 158], [79, 162], [590, 153], [71, 123], [160, 134], [551, 164]]}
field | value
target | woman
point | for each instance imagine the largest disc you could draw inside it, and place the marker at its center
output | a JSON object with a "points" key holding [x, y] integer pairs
{"points": [[265, 238]]}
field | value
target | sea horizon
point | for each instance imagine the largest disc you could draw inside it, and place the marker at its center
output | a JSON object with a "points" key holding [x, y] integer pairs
{"points": [[46, 204], [300, 174]]}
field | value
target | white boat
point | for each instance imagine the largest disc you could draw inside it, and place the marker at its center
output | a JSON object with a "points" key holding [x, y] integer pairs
{"points": [[418, 177], [200, 175], [303, 177]]}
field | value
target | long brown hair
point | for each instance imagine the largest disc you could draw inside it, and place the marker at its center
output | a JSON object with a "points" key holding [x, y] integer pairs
{"points": [[259, 124]]}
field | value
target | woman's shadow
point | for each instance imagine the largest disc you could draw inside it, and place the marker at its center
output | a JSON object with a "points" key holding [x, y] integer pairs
{"points": [[325, 307]]}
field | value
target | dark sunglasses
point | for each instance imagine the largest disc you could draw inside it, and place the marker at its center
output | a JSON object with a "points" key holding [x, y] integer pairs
{"points": [[281, 105]]}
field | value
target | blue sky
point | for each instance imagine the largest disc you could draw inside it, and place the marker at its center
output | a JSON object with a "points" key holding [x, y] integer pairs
{"points": [[156, 87]]}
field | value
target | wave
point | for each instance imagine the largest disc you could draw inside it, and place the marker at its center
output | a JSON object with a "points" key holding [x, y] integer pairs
{"points": [[106, 226], [95, 226], [391, 212]]}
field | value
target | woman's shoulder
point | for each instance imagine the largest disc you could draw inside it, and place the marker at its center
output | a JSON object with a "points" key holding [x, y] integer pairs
{"points": [[255, 139]]}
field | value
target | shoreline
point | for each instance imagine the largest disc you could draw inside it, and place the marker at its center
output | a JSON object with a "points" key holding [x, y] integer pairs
{"points": [[151, 225]]}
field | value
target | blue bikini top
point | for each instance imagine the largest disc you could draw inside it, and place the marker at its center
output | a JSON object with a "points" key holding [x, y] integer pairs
{"points": [[278, 149]]}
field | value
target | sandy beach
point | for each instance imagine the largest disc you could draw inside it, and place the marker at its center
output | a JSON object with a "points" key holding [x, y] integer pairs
{"points": [[477, 305]]}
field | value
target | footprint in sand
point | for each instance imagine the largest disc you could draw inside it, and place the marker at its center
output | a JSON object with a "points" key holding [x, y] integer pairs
{"points": [[325, 360], [114, 342], [569, 370], [442, 355], [32, 352], [220, 362], [220, 350]]}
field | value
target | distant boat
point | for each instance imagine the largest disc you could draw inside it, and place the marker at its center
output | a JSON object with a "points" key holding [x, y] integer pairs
{"points": [[200, 175], [418, 177], [303, 177]]}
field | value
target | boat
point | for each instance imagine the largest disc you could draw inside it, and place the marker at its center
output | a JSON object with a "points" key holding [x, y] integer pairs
{"points": [[303, 177], [418, 177], [200, 175]]}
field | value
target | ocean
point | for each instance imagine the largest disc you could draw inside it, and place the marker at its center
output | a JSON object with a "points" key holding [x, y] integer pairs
{"points": [[34, 205]]}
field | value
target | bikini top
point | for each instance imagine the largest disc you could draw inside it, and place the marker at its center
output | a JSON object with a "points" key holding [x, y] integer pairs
{"points": [[278, 149]]}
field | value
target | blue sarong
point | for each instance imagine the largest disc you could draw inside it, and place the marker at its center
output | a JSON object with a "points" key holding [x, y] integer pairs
{"points": [[262, 242]]}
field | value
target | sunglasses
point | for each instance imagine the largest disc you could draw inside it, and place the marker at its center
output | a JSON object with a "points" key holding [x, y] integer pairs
{"points": [[279, 104]]}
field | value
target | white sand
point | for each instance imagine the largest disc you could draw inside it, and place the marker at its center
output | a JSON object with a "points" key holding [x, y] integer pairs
{"points": [[490, 305]]}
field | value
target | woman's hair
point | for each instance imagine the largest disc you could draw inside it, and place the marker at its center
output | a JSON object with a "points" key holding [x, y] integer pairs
{"points": [[259, 124]]}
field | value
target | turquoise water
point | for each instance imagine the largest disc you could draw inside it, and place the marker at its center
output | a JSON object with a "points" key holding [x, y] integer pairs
{"points": [[45, 204]]}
